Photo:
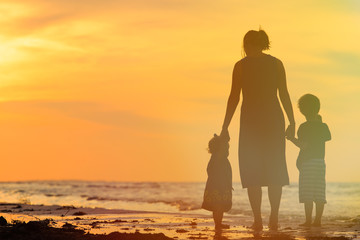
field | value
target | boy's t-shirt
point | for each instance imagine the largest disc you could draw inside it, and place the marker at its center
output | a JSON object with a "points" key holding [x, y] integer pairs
{"points": [[313, 134]]}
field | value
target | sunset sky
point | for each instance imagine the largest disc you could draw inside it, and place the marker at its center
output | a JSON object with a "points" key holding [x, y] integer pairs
{"points": [[132, 90]]}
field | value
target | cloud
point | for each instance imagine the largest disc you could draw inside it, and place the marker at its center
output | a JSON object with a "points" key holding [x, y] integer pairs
{"points": [[102, 114], [92, 112], [29, 25], [343, 63]]}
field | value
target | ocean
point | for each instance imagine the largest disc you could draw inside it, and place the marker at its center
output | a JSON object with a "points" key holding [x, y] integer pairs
{"points": [[343, 198]]}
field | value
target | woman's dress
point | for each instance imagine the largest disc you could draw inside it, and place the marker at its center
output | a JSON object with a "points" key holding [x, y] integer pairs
{"points": [[262, 128]]}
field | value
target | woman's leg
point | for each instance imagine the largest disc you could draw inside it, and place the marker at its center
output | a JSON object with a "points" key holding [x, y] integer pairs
{"points": [[255, 195], [274, 193]]}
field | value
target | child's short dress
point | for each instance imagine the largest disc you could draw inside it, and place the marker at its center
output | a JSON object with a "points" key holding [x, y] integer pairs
{"points": [[311, 163], [218, 190]]}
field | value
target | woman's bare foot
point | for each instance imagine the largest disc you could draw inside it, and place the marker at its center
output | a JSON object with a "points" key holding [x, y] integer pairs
{"points": [[257, 226], [273, 223]]}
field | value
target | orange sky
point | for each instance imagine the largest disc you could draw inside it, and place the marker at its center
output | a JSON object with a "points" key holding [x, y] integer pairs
{"points": [[133, 90]]}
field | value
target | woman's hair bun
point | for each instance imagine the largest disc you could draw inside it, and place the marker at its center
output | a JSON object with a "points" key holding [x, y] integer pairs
{"points": [[257, 38], [263, 40]]}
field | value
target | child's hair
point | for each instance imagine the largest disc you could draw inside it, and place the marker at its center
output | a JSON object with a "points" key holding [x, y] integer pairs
{"points": [[309, 105], [216, 143]]}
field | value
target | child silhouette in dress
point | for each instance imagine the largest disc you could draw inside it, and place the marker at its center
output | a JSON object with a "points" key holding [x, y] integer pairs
{"points": [[312, 136], [218, 190]]}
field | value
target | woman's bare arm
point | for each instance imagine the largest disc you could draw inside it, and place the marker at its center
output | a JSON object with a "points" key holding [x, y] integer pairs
{"points": [[233, 98], [297, 142], [285, 101]]}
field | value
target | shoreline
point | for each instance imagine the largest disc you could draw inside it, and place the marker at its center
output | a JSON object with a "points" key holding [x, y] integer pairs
{"points": [[178, 226]]}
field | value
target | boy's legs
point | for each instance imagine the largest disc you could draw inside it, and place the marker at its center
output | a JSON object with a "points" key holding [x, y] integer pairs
{"points": [[274, 193], [319, 212], [255, 195], [308, 213]]}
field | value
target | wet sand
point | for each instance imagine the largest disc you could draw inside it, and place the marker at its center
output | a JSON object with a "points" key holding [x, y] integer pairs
{"points": [[68, 222]]}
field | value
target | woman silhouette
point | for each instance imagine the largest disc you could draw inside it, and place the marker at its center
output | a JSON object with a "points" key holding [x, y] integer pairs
{"points": [[260, 77]]}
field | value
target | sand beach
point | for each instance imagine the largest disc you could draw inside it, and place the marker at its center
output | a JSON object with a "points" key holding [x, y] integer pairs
{"points": [[26, 221]]}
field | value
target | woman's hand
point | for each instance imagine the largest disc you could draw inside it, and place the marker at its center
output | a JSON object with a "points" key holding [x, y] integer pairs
{"points": [[225, 134], [290, 131]]}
